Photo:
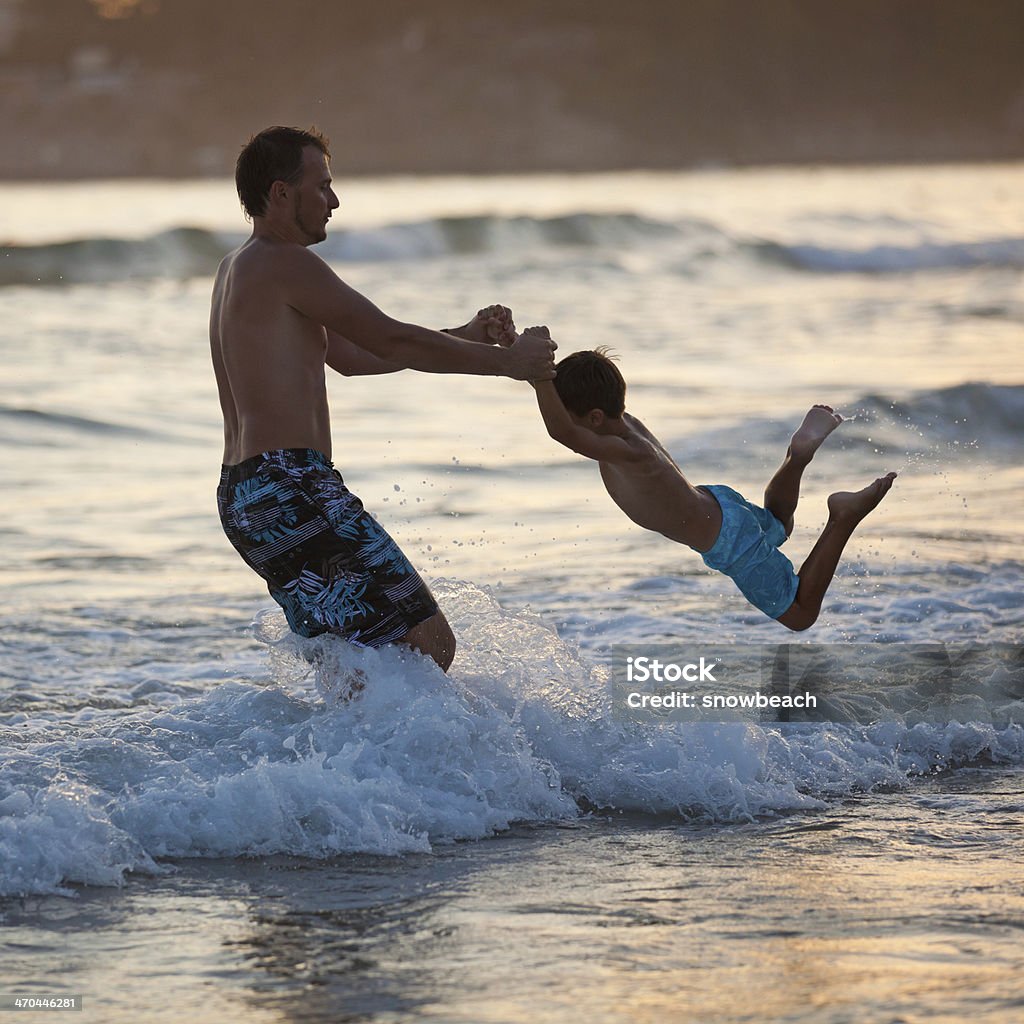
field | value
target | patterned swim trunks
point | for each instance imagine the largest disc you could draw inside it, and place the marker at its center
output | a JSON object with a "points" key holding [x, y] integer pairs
{"points": [[747, 551], [327, 562]]}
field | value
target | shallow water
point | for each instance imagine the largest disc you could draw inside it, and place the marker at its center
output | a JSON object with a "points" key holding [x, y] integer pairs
{"points": [[899, 907], [504, 845]]}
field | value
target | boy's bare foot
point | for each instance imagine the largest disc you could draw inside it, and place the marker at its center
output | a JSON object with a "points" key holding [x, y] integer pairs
{"points": [[819, 422], [853, 506]]}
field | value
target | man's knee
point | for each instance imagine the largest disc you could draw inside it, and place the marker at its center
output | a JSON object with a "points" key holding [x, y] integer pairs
{"points": [[433, 637]]}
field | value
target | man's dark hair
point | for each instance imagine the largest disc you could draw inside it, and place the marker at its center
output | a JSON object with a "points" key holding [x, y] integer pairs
{"points": [[274, 154], [590, 380]]}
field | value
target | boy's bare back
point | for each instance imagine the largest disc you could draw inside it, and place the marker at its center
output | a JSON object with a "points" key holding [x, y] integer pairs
{"points": [[639, 474]]}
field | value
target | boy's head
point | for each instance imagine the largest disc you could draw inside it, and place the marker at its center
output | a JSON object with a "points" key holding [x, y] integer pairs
{"points": [[590, 380]]}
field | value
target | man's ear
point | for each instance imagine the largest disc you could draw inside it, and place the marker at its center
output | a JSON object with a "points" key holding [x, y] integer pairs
{"points": [[596, 417], [279, 190]]}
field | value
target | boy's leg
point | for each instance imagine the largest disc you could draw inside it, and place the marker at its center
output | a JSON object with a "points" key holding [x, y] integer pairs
{"points": [[783, 490], [845, 510]]}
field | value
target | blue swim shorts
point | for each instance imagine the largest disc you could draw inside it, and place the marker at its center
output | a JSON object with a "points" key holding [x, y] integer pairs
{"points": [[327, 562], [747, 551]]}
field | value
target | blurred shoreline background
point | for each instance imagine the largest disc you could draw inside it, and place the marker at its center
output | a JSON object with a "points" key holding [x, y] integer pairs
{"points": [[172, 88]]}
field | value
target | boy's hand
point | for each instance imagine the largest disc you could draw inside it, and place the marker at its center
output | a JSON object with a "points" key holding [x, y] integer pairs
{"points": [[493, 325], [537, 332], [537, 350]]}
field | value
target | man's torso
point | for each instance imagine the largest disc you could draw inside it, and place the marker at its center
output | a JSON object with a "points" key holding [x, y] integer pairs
{"points": [[268, 359]]}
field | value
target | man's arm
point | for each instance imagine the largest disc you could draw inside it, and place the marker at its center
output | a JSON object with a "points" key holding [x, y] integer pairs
{"points": [[602, 447], [315, 291], [491, 325], [352, 361]]}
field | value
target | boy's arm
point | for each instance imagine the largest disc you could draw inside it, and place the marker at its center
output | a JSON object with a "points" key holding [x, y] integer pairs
{"points": [[602, 447]]}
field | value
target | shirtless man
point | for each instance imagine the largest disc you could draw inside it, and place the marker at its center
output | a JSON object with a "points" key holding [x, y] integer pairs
{"points": [[279, 315], [584, 409]]}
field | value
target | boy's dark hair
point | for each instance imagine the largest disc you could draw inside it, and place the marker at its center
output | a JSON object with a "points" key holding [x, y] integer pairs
{"points": [[274, 154], [590, 380]]}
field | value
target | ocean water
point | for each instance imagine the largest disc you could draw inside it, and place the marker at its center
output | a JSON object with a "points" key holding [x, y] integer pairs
{"points": [[195, 821]]}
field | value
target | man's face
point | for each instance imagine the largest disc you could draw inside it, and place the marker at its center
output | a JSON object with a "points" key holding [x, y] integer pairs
{"points": [[314, 199]]}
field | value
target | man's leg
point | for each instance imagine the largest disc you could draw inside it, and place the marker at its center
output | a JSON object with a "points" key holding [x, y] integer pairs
{"points": [[434, 637], [783, 490], [845, 511]]}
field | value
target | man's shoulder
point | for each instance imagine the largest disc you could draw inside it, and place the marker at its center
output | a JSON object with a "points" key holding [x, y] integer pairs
{"points": [[258, 251], [257, 261]]}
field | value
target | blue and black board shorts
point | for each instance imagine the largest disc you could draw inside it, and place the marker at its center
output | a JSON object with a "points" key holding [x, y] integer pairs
{"points": [[326, 561]]}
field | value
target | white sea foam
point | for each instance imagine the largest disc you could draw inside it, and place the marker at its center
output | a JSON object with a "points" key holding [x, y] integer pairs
{"points": [[523, 731]]}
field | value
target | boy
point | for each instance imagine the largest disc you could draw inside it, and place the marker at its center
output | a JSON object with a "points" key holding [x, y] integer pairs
{"points": [[584, 409]]}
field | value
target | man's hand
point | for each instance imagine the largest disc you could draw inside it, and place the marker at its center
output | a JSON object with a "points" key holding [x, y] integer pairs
{"points": [[492, 325], [536, 355]]}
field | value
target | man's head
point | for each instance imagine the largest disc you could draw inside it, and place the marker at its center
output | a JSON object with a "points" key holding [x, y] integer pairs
{"points": [[288, 166], [586, 381]]}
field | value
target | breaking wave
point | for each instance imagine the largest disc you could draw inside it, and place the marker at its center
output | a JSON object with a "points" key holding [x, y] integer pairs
{"points": [[186, 252], [525, 730]]}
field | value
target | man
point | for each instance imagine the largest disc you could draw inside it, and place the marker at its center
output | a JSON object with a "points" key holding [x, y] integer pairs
{"points": [[279, 314]]}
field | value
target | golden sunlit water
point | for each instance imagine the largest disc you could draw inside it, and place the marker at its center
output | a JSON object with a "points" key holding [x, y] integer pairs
{"points": [[192, 826]]}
